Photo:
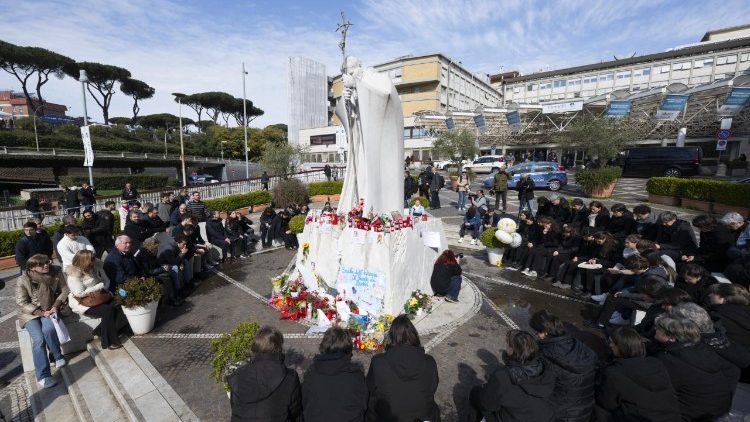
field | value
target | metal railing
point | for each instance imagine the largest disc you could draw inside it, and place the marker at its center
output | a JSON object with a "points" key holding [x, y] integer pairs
{"points": [[61, 152], [13, 219]]}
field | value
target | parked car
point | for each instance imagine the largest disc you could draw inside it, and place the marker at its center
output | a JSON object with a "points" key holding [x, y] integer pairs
{"points": [[660, 161], [545, 174], [485, 164], [446, 164]]}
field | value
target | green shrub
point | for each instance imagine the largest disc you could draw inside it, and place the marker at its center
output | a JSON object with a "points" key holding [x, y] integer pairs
{"points": [[422, 200], [701, 189], [290, 191], [297, 224], [592, 179], [231, 350], [734, 194], [666, 186], [139, 181], [325, 188], [489, 240], [8, 239], [737, 164], [233, 202], [138, 292]]}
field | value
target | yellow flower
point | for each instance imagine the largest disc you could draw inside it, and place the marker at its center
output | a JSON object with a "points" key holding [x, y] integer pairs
{"points": [[305, 245], [413, 302]]}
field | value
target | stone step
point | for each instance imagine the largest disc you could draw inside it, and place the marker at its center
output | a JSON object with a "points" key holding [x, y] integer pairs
{"points": [[452, 237], [88, 390], [138, 388], [50, 404]]}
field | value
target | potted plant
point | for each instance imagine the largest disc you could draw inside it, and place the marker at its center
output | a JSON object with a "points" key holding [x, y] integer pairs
{"points": [[598, 182], [665, 190], [139, 299], [297, 224], [231, 350], [495, 248]]}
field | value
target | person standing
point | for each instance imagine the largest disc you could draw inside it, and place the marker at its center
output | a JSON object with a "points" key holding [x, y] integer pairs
{"points": [[40, 293], [500, 186], [327, 172], [525, 188], [123, 212], [98, 231], [425, 177], [129, 193], [88, 197], [264, 179], [34, 207], [463, 189], [137, 230], [72, 202], [165, 206], [266, 220], [410, 188], [197, 208], [403, 380], [436, 182]]}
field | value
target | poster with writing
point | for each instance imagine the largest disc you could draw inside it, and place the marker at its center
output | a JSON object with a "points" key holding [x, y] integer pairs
{"points": [[364, 287], [358, 236]]}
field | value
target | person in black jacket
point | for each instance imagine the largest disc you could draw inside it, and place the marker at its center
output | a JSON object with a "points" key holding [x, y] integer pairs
{"points": [[34, 207], [715, 240], [98, 231], [175, 254], [334, 387], [541, 248], [129, 193], [574, 365], [521, 390], [608, 252], [237, 229], [598, 217], [621, 223], [568, 271], [675, 237], [137, 230], [152, 220], [88, 196], [410, 188], [730, 309], [525, 188], [703, 391], [569, 244], [217, 234], [147, 260], [446, 276], [528, 229], [578, 214], [403, 380], [635, 387], [559, 209], [645, 222], [72, 203], [264, 389], [696, 282], [30, 244], [120, 264], [266, 234]]}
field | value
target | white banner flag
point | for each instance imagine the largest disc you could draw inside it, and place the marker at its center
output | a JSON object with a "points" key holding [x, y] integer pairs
{"points": [[88, 151]]}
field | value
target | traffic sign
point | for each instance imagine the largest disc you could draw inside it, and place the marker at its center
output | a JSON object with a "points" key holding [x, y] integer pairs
{"points": [[721, 145], [723, 134]]}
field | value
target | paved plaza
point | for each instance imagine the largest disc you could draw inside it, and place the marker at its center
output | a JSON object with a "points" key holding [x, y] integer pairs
{"points": [[466, 350]]}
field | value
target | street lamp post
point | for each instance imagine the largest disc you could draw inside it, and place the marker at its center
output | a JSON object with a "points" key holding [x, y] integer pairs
{"points": [[222, 149], [182, 144], [84, 78], [244, 114]]}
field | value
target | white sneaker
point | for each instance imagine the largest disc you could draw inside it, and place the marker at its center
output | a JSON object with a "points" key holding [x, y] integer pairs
{"points": [[48, 382], [532, 274], [617, 319], [473, 241], [526, 271], [60, 363], [600, 298], [460, 240]]}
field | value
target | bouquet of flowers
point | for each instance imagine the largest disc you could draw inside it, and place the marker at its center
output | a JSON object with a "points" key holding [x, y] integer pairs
{"points": [[417, 303]]}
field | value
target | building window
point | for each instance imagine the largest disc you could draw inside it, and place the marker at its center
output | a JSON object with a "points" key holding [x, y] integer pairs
{"points": [[559, 83], [726, 60], [516, 90], [546, 85], [681, 66], [329, 139], [395, 73], [589, 80], [664, 69], [574, 81], [531, 87], [606, 77], [744, 57], [623, 75], [641, 72]]}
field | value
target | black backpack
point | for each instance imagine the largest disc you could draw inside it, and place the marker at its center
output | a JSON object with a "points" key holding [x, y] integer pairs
{"points": [[441, 181]]}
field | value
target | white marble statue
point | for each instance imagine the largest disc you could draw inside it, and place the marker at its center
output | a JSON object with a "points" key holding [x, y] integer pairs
{"points": [[370, 112]]}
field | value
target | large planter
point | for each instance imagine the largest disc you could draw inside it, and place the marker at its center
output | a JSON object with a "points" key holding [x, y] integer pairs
{"points": [[325, 198], [141, 318], [7, 262], [723, 209], [664, 200], [695, 204], [454, 182], [495, 256], [603, 191]]}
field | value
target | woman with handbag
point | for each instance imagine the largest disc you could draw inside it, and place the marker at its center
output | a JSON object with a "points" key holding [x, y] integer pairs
{"points": [[462, 188], [89, 295], [40, 294]]}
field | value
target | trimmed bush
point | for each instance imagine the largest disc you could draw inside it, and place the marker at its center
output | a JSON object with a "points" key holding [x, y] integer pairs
{"points": [[422, 200], [702, 189], [139, 181], [231, 350], [666, 186], [734, 194], [592, 179], [297, 224], [233, 202], [8, 239], [138, 292], [288, 192], [325, 188], [489, 240]]}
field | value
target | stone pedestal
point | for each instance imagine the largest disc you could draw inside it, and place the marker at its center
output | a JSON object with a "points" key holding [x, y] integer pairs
{"points": [[377, 270]]}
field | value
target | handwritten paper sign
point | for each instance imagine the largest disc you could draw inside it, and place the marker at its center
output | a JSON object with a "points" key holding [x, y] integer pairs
{"points": [[365, 287], [431, 239]]}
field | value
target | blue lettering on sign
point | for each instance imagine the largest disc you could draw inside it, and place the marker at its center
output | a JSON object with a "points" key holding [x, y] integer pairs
{"points": [[479, 120], [673, 102], [618, 108], [513, 118], [738, 97]]}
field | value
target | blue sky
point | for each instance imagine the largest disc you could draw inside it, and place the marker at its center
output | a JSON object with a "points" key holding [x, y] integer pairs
{"points": [[193, 46]]}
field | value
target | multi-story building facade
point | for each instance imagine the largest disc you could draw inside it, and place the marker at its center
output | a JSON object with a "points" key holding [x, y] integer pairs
{"points": [[16, 105], [308, 96]]}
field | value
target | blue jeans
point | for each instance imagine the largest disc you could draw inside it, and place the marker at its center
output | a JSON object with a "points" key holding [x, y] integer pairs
{"points": [[455, 287], [474, 230], [174, 276], [43, 337], [461, 199]]}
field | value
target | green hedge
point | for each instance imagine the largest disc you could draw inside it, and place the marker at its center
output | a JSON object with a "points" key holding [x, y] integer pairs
{"points": [[297, 224], [735, 194], [233, 202], [591, 179], [139, 181], [325, 188], [423, 201]]}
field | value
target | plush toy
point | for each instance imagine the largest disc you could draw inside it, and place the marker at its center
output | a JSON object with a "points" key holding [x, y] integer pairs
{"points": [[504, 237], [516, 240], [506, 225]]}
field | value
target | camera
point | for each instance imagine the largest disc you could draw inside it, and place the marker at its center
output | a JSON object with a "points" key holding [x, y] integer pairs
{"points": [[460, 256]]}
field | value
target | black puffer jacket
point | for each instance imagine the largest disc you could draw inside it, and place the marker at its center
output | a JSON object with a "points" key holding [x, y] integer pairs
{"points": [[402, 384], [703, 391], [440, 280], [621, 227], [575, 367], [698, 291], [517, 392], [734, 357], [264, 389], [735, 319], [334, 390], [638, 389]]}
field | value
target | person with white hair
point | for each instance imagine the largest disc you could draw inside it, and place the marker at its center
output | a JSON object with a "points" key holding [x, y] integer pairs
{"points": [[740, 230]]}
